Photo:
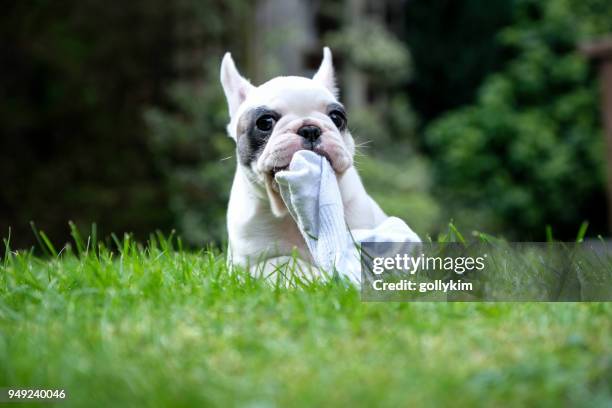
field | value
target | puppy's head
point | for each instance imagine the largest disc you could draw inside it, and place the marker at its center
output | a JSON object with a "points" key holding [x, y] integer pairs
{"points": [[276, 119]]}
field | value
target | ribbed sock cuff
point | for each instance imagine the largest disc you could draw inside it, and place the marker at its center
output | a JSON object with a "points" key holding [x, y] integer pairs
{"points": [[333, 235]]}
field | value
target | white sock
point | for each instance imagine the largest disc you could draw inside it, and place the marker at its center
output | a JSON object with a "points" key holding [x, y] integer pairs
{"points": [[310, 190]]}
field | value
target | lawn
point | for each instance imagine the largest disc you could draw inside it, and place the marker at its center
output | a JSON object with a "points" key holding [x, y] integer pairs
{"points": [[156, 325]]}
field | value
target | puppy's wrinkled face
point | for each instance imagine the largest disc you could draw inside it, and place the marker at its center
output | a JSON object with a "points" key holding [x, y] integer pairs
{"points": [[288, 114], [284, 115]]}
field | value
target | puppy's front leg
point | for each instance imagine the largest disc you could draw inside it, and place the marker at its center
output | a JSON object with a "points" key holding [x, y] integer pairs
{"points": [[360, 210]]}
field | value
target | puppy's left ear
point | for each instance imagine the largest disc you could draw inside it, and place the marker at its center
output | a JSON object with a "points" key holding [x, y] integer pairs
{"points": [[325, 75], [235, 86]]}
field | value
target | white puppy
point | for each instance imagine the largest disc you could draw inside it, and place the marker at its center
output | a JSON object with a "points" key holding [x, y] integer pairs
{"points": [[269, 124]]}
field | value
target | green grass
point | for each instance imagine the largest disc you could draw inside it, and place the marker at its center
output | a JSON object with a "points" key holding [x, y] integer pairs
{"points": [[159, 326]]}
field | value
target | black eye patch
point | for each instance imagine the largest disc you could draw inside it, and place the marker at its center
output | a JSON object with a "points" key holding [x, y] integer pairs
{"points": [[254, 129], [337, 114]]}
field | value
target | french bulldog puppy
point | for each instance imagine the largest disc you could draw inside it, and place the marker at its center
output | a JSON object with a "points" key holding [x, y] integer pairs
{"points": [[270, 123]]}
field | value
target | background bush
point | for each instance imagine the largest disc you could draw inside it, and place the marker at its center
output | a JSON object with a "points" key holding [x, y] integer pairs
{"points": [[528, 152]]}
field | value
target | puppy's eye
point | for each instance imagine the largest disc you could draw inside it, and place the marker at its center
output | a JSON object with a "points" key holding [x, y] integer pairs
{"points": [[265, 123], [338, 118]]}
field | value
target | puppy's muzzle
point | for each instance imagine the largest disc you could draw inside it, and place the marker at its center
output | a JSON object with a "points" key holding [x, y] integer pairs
{"points": [[311, 135]]}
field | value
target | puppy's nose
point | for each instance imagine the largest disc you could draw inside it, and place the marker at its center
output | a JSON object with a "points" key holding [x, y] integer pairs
{"points": [[309, 132]]}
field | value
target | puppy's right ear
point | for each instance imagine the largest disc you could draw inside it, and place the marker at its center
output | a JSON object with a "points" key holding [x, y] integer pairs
{"points": [[236, 88]]}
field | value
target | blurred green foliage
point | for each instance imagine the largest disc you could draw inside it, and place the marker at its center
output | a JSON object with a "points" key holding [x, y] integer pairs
{"points": [[373, 49], [403, 189], [529, 151], [454, 46], [197, 158], [74, 76], [187, 135]]}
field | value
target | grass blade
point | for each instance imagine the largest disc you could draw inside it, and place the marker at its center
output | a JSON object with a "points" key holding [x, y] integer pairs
{"points": [[76, 236], [549, 234], [38, 239], [582, 231], [48, 243]]}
